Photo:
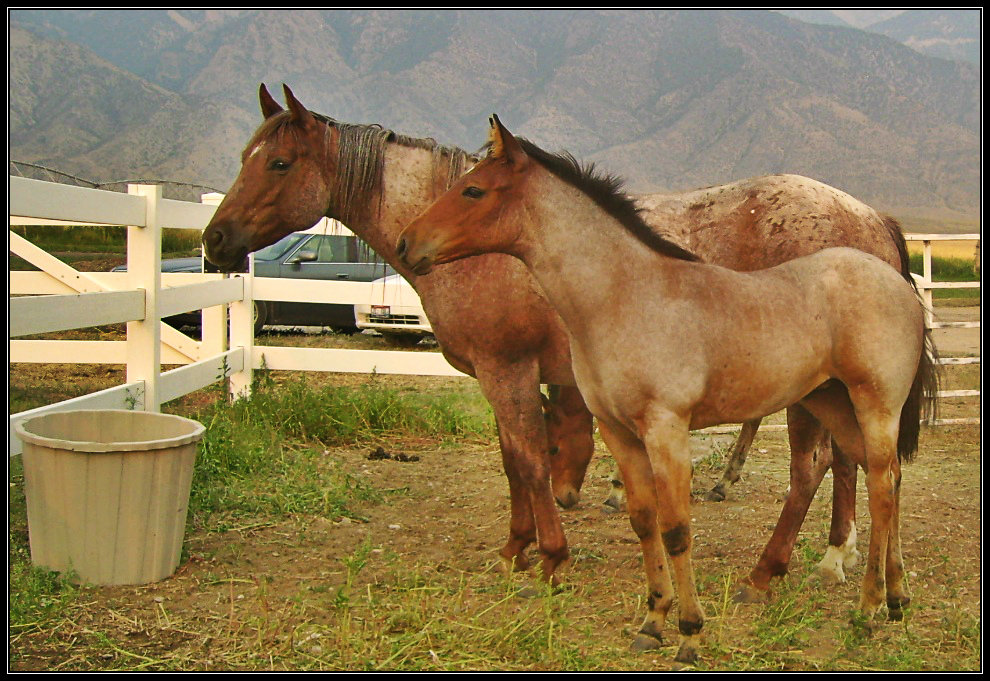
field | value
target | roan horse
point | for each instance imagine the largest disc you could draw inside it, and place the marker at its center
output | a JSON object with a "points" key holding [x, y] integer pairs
{"points": [[662, 344], [487, 312]]}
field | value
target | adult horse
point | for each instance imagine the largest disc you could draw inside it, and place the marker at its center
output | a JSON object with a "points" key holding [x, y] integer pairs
{"points": [[662, 344], [488, 314]]}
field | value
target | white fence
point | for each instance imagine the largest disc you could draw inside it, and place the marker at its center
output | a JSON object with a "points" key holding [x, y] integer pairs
{"points": [[141, 296], [60, 298]]}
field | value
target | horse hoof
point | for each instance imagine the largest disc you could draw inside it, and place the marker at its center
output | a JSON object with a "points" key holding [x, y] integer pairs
{"points": [[644, 642], [511, 564], [830, 568], [612, 506], [894, 608], [865, 622], [716, 494], [851, 560], [687, 654], [747, 593], [830, 574]]}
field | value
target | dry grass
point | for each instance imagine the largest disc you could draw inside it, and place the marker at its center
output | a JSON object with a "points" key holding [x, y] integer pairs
{"points": [[962, 249]]}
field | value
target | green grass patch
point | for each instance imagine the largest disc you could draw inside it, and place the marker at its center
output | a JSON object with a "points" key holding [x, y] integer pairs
{"points": [[103, 239], [262, 457], [266, 453], [948, 269]]}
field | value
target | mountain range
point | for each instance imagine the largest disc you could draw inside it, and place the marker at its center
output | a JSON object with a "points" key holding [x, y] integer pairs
{"points": [[669, 100], [945, 33]]}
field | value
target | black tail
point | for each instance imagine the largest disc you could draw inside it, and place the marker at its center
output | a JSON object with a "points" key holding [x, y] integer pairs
{"points": [[922, 401]]}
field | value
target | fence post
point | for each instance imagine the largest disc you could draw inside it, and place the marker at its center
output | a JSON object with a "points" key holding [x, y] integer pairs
{"points": [[926, 293], [144, 270], [214, 328], [242, 334]]}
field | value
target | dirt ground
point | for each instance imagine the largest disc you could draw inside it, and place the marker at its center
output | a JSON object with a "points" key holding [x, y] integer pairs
{"points": [[452, 516], [449, 513]]}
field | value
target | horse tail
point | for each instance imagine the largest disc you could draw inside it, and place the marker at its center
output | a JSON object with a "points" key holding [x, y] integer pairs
{"points": [[900, 243], [922, 401]]}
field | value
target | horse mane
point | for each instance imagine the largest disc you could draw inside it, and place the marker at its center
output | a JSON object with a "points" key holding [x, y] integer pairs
{"points": [[606, 191], [360, 162]]}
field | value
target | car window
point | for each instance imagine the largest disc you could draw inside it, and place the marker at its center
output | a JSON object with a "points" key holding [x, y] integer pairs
{"points": [[362, 252], [279, 248], [339, 249], [332, 249]]}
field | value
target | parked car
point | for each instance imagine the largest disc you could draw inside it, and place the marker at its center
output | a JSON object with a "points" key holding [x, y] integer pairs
{"points": [[298, 256], [396, 312]]}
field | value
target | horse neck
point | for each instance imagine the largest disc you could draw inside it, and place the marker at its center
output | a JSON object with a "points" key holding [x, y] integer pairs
{"points": [[575, 249], [407, 188]]}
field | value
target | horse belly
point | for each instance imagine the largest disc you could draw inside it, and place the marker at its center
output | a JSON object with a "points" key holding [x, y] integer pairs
{"points": [[756, 397]]}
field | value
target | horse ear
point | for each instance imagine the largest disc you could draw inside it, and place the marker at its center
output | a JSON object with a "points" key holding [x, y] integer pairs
{"points": [[269, 107], [504, 145], [300, 114]]}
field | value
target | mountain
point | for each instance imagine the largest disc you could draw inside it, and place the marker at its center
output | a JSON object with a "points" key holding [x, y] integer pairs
{"points": [[75, 112], [849, 18], [668, 99], [949, 34], [943, 33]]}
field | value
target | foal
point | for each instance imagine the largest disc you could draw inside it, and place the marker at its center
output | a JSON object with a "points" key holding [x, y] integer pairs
{"points": [[662, 344]]}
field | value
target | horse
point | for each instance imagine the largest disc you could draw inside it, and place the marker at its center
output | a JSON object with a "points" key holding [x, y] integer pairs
{"points": [[488, 314], [663, 343]]}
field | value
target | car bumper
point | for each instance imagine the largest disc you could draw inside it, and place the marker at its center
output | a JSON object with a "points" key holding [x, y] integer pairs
{"points": [[397, 320]]}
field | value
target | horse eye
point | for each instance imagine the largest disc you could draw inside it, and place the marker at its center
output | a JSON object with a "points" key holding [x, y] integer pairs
{"points": [[278, 165], [473, 192]]}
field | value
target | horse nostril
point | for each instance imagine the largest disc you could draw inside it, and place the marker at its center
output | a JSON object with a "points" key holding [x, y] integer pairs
{"points": [[400, 247], [213, 237]]}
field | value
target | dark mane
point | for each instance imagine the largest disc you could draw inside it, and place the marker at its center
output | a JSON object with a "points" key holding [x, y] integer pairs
{"points": [[360, 162], [606, 191]]}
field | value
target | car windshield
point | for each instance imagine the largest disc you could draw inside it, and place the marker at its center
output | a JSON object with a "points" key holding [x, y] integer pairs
{"points": [[278, 249]]}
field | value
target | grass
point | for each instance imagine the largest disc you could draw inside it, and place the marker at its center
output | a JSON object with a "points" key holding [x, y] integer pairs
{"points": [[261, 457], [102, 239], [271, 474], [948, 269], [254, 450], [270, 462]]}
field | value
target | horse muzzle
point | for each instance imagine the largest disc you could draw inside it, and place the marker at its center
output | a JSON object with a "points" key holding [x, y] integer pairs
{"points": [[224, 251], [417, 259]]}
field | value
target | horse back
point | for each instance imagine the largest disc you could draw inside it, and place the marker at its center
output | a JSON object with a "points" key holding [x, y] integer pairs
{"points": [[761, 222]]}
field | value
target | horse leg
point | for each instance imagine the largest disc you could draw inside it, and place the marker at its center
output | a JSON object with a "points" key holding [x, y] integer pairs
{"points": [[514, 394], [631, 458], [866, 431], [522, 526], [883, 476], [809, 461], [884, 575], [570, 432], [668, 443], [841, 553], [897, 595], [616, 501], [736, 461]]}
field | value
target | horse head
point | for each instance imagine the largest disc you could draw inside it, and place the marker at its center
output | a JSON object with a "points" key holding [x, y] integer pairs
{"points": [[283, 185], [471, 218]]}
